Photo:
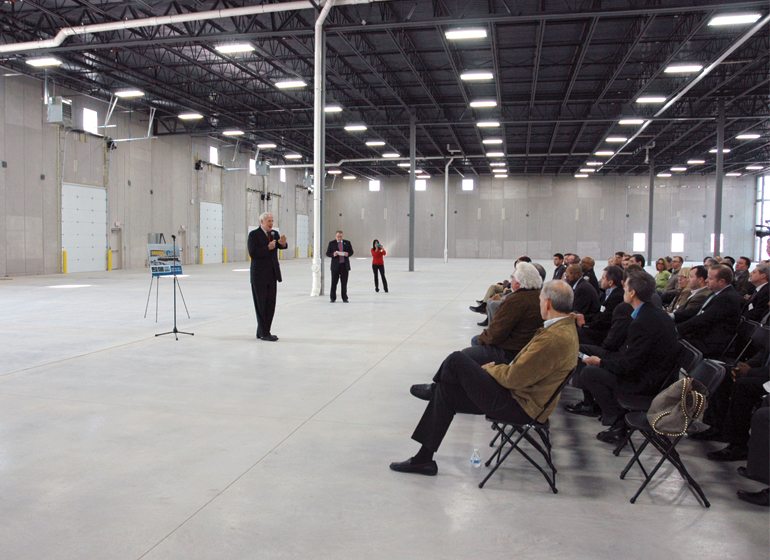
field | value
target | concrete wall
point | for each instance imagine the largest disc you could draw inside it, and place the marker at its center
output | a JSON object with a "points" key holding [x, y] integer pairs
{"points": [[152, 185], [538, 216]]}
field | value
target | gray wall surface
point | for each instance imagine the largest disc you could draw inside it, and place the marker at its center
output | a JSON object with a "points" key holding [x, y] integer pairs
{"points": [[152, 187], [538, 216]]}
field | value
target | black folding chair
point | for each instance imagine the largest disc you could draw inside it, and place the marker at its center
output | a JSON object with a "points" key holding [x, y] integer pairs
{"points": [[505, 432], [688, 357], [709, 373], [748, 334]]}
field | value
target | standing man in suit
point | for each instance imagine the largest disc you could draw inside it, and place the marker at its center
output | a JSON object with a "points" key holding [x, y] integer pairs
{"points": [[339, 251], [265, 273]]}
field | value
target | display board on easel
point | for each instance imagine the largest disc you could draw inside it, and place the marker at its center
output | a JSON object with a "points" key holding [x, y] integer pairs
{"points": [[162, 259]]}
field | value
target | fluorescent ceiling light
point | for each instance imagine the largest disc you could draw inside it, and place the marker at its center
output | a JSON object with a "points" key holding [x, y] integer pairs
{"points": [[497, 164], [732, 174], [349, 177], [580, 175], [483, 103], [487, 124], [588, 170], [391, 155], [678, 168], [595, 163], [495, 154], [128, 93], [293, 156], [616, 139], [650, 99], [374, 185], [497, 170], [290, 84], [492, 141], [683, 68], [502, 176], [355, 127], [724, 150], [747, 137], [44, 62], [754, 167], [422, 176], [630, 122], [233, 48], [470, 33], [335, 172], [190, 116], [476, 76], [404, 164], [333, 109], [664, 174], [696, 161], [373, 142], [604, 153], [233, 132], [733, 19], [266, 146]]}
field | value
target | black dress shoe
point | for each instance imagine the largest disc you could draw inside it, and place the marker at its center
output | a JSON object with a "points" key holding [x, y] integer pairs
{"points": [[376, 289], [729, 453], [484, 323], [480, 308], [761, 498], [583, 408], [423, 391], [344, 301], [744, 472], [612, 435], [479, 301], [428, 469], [269, 338]]}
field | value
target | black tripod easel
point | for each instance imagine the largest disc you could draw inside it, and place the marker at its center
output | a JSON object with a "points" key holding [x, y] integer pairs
{"points": [[176, 332]]}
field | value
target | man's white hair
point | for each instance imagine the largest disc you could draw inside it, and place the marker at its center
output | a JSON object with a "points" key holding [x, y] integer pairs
{"points": [[527, 276], [264, 215]]}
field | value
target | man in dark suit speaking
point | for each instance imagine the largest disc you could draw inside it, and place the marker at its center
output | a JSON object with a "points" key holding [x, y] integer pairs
{"points": [[339, 251], [265, 273]]}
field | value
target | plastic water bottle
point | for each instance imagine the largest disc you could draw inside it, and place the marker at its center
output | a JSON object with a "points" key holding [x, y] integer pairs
{"points": [[475, 459]]}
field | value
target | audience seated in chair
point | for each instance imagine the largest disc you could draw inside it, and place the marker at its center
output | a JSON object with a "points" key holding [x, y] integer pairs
{"points": [[757, 467], [755, 305], [594, 328], [682, 291], [586, 300], [515, 392], [699, 293]]}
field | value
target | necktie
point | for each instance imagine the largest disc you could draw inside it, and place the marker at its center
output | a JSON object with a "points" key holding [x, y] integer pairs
{"points": [[339, 248]]}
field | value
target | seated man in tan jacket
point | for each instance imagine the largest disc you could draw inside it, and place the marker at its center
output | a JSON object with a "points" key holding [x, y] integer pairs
{"points": [[515, 392]]}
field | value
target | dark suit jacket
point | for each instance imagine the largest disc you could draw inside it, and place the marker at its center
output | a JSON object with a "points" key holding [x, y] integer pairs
{"points": [[621, 319], [559, 272], [691, 307], [347, 247], [586, 300], [742, 283], [264, 262], [649, 353], [602, 319], [758, 304], [715, 324]]}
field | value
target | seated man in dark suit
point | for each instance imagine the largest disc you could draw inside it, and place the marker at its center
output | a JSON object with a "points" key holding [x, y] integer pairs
{"points": [[586, 299], [755, 305], [712, 328], [757, 467], [514, 323], [515, 392], [593, 328], [741, 278], [699, 293], [646, 359], [587, 265]]}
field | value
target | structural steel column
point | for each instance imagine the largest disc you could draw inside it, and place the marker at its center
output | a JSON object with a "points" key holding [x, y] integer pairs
{"points": [[412, 165], [720, 176], [651, 205]]}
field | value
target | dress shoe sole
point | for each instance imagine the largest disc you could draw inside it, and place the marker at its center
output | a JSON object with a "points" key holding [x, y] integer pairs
{"points": [[760, 498], [425, 469]]}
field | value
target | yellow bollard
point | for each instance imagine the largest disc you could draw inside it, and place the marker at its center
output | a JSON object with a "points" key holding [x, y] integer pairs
{"points": [[200, 255], [224, 254], [109, 259], [280, 254], [64, 261], [296, 252]]}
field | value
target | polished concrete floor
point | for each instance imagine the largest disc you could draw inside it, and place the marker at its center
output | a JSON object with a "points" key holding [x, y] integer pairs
{"points": [[115, 444]]}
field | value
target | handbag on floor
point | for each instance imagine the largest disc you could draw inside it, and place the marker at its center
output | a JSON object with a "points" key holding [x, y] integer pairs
{"points": [[678, 409]]}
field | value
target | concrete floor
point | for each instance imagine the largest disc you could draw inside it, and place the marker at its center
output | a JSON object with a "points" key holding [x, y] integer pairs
{"points": [[118, 444]]}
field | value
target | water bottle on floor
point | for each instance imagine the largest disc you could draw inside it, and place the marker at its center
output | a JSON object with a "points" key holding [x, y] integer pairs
{"points": [[475, 459]]}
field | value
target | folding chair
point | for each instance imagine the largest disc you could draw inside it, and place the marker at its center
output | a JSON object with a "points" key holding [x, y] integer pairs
{"points": [[708, 372], [506, 432], [751, 334], [688, 357]]}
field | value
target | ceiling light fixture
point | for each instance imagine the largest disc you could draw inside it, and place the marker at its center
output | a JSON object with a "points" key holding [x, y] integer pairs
{"points": [[492, 141], [355, 127], [696, 161], [469, 33], [488, 124], [733, 19], [497, 164], [495, 154], [334, 172], [290, 84], [189, 116], [293, 156], [616, 139], [747, 136], [129, 93], [650, 99], [404, 164], [266, 146], [595, 163], [588, 170], [732, 174], [664, 174], [683, 68], [333, 109], [391, 155], [630, 122], [373, 142], [234, 48], [349, 177], [44, 62], [581, 175], [754, 167], [476, 76], [483, 103], [678, 168], [724, 150], [233, 132], [604, 153]]}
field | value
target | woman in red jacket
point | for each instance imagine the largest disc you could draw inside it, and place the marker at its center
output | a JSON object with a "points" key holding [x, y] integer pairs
{"points": [[378, 252]]}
